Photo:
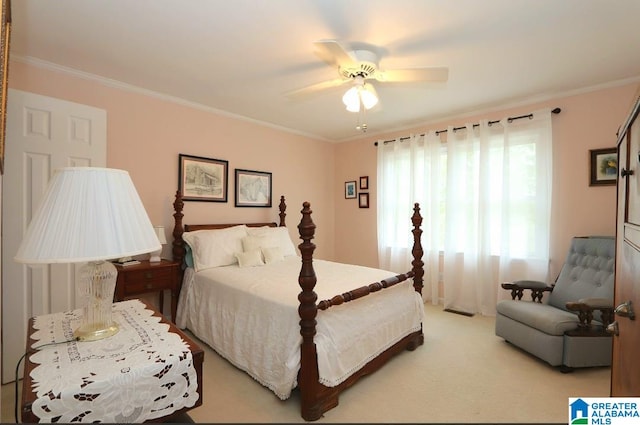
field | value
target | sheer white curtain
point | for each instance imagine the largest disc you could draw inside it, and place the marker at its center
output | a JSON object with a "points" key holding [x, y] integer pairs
{"points": [[485, 195]]}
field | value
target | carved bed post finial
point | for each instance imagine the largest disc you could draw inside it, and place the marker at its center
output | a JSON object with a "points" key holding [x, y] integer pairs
{"points": [[283, 208], [417, 263], [308, 376], [178, 230]]}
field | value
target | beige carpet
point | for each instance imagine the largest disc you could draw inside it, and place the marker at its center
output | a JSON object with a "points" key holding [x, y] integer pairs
{"points": [[463, 374]]}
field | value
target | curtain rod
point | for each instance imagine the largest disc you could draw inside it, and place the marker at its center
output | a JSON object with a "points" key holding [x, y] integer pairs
{"points": [[555, 111]]}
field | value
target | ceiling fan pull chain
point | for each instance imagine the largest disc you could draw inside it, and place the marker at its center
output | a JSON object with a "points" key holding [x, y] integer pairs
{"points": [[362, 115]]}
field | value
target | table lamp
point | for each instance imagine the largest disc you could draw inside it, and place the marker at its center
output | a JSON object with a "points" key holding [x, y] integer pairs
{"points": [[154, 257], [90, 215]]}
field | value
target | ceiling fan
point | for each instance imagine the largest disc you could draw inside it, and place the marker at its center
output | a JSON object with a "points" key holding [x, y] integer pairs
{"points": [[357, 67]]}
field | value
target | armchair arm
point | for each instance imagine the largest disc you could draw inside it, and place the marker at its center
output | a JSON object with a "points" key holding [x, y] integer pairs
{"points": [[537, 289], [586, 306]]}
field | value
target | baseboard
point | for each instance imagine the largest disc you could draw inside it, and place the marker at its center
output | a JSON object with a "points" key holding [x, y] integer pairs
{"points": [[463, 313]]}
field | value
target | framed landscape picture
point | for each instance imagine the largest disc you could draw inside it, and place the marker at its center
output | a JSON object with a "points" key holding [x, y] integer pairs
{"points": [[253, 188], [203, 179]]}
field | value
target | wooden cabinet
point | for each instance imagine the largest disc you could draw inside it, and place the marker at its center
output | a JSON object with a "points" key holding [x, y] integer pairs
{"points": [[147, 278]]}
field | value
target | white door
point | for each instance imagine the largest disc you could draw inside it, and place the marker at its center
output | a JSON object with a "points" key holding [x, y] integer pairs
{"points": [[43, 134]]}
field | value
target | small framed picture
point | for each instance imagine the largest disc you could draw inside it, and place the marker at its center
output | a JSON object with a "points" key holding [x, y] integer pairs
{"points": [[253, 188], [203, 179], [350, 190], [364, 182], [604, 167], [363, 200]]}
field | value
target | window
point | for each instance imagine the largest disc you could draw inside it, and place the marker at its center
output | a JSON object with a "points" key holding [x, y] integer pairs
{"points": [[485, 198]]}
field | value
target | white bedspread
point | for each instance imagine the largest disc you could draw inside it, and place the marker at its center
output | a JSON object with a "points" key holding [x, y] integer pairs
{"points": [[250, 317]]}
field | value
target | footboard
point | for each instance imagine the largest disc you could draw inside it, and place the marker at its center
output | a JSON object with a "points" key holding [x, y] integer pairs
{"points": [[315, 397]]}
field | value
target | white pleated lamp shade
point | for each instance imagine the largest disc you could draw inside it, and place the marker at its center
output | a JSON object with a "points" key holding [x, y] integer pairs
{"points": [[88, 214]]}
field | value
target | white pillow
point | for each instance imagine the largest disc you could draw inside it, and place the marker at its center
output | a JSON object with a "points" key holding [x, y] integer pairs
{"points": [[276, 236], [250, 258], [272, 255], [251, 243], [215, 248]]}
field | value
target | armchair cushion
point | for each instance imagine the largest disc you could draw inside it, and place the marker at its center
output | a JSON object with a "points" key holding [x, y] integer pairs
{"points": [[547, 319]]}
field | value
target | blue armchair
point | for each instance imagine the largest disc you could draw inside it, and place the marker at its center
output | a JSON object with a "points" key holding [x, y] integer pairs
{"points": [[569, 330]]}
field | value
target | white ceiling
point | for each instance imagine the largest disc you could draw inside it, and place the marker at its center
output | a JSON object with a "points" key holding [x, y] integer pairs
{"points": [[242, 56]]}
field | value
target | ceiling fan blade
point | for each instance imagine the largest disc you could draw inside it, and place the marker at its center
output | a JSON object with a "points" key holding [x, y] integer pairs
{"points": [[315, 88], [333, 53], [435, 74]]}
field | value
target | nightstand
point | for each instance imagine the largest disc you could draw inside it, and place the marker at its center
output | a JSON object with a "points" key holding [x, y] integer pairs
{"points": [[145, 278], [143, 372]]}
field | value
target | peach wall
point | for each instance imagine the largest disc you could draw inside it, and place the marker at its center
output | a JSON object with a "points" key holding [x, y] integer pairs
{"points": [[145, 135], [587, 121]]}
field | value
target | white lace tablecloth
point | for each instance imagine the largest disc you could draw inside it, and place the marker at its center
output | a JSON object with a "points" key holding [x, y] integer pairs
{"points": [[143, 372]]}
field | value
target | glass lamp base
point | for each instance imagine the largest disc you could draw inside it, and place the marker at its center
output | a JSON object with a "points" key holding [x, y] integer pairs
{"points": [[96, 286], [95, 332]]}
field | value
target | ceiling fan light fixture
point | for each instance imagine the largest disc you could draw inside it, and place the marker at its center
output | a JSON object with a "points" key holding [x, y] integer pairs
{"points": [[365, 94], [369, 96], [351, 99]]}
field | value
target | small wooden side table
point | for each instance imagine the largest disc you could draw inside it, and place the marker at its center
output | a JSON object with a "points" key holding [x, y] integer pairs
{"points": [[29, 396], [148, 277]]}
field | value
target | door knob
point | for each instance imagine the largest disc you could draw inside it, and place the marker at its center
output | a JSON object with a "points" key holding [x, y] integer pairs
{"points": [[625, 173], [626, 310], [612, 328]]}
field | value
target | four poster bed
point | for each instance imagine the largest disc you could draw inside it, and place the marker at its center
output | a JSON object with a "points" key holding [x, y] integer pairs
{"points": [[238, 295]]}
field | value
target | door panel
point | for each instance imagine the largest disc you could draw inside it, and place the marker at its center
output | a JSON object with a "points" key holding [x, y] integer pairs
{"points": [[43, 134], [625, 372], [625, 377]]}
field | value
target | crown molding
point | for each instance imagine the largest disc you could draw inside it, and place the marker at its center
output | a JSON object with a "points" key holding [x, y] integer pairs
{"points": [[109, 82]]}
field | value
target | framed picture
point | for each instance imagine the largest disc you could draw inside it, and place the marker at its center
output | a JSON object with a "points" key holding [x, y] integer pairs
{"points": [[253, 188], [604, 167], [363, 200], [364, 182], [203, 179], [350, 190], [5, 35]]}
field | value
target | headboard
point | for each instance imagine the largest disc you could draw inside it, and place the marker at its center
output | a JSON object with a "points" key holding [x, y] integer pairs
{"points": [[179, 250]]}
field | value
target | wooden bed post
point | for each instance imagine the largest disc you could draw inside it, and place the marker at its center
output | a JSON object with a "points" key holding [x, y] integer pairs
{"points": [[417, 267], [283, 214], [308, 376], [178, 230], [417, 263]]}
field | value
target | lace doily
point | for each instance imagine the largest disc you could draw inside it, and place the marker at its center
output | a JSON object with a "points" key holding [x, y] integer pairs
{"points": [[143, 372]]}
